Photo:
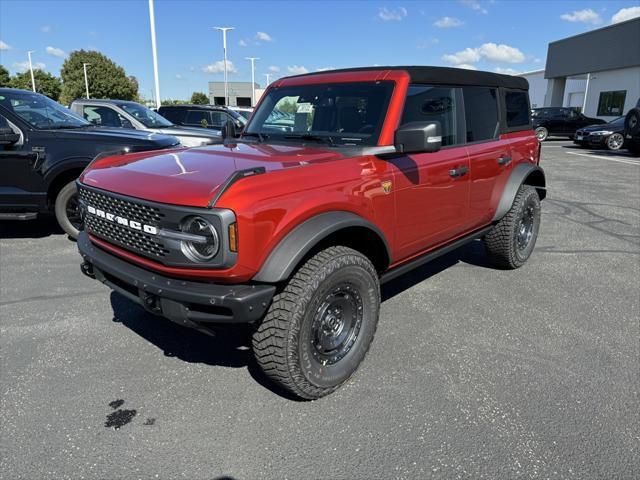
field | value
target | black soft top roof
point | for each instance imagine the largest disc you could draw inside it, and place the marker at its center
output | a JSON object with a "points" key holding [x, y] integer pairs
{"points": [[446, 76]]}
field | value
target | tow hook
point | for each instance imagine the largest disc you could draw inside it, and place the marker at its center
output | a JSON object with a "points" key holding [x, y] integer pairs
{"points": [[151, 303], [87, 269]]}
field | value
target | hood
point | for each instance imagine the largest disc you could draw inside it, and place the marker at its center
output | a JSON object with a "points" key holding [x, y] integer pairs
{"points": [[191, 177], [117, 136], [603, 126]]}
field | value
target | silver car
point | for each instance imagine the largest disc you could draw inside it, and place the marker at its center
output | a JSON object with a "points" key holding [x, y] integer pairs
{"points": [[132, 115]]}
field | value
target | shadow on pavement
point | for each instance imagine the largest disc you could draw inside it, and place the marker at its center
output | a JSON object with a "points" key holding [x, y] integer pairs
{"points": [[43, 226]]}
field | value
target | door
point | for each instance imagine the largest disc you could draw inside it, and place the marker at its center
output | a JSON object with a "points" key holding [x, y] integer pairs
{"points": [[431, 189]]}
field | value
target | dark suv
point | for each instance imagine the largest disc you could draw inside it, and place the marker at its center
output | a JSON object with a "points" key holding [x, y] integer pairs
{"points": [[559, 121], [207, 116], [44, 147]]}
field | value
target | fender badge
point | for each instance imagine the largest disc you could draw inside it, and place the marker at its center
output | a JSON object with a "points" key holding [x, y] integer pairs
{"points": [[386, 186]]}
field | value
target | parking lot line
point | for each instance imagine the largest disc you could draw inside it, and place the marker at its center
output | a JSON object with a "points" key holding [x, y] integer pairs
{"points": [[602, 157]]}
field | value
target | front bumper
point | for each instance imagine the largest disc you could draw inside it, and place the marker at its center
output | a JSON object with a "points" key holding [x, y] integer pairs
{"points": [[192, 304]]}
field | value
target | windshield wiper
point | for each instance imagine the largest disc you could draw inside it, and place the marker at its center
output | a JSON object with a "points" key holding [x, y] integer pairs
{"points": [[260, 136], [317, 138], [60, 127]]}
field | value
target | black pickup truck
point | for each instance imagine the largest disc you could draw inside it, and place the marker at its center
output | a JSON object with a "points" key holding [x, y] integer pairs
{"points": [[43, 149]]}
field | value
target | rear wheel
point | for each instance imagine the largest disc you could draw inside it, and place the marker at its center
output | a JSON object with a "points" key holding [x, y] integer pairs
{"points": [[510, 242], [320, 327], [542, 133], [615, 141], [67, 210]]}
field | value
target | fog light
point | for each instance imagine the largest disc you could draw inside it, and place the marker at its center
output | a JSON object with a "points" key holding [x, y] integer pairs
{"points": [[204, 250]]}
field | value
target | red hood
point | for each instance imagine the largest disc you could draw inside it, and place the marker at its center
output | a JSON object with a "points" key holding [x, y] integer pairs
{"points": [[192, 176]]}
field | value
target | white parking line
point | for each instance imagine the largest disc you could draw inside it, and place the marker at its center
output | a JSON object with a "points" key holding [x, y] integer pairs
{"points": [[628, 161]]}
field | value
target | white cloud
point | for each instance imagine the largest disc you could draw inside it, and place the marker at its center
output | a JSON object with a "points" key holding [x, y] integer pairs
{"points": [[468, 55], [448, 22], [4, 46], [218, 67], [46, 29], [489, 51], [506, 71], [585, 16], [242, 43], [297, 69], [395, 14], [626, 14], [56, 52], [24, 66], [475, 5], [274, 69], [324, 69], [178, 76], [263, 37], [466, 66]]}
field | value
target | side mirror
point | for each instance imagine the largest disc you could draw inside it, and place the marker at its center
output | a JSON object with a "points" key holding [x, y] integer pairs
{"points": [[415, 137], [8, 136], [229, 130]]}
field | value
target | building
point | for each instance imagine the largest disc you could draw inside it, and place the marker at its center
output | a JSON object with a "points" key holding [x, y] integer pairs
{"points": [[597, 72], [240, 93]]}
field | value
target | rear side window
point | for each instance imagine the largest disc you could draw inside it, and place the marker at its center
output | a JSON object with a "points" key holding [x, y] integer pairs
{"points": [[199, 118], [481, 113], [175, 116], [427, 103], [517, 109]]}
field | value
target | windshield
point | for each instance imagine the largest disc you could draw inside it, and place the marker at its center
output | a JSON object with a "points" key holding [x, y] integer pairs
{"points": [[147, 117], [40, 112], [344, 113]]}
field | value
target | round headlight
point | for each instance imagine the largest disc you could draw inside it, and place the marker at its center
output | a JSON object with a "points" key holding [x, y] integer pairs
{"points": [[200, 251]]}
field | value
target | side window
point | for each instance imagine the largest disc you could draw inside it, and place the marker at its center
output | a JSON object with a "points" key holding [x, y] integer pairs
{"points": [[198, 118], [103, 116], [427, 103], [6, 129], [481, 113], [517, 109], [175, 116], [218, 118]]}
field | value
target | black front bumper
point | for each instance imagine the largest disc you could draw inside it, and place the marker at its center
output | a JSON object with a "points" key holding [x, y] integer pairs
{"points": [[189, 303]]}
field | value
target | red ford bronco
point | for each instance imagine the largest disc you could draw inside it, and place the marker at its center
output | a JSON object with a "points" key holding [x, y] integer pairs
{"points": [[340, 181]]}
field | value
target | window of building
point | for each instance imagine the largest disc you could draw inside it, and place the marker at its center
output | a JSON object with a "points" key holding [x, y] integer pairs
{"points": [[427, 103], [219, 101], [481, 113], [517, 108], [611, 104]]}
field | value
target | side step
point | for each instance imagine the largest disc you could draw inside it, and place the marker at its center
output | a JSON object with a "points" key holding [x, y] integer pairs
{"points": [[18, 216]]}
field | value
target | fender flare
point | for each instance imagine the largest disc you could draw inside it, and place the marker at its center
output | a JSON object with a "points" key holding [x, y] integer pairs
{"points": [[298, 242], [518, 177], [61, 166]]}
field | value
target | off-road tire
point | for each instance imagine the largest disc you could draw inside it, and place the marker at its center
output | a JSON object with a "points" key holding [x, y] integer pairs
{"points": [[68, 194], [283, 344], [501, 243]]}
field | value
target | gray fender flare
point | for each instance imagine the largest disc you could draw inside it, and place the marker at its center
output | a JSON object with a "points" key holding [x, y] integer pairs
{"points": [[519, 176], [298, 242]]}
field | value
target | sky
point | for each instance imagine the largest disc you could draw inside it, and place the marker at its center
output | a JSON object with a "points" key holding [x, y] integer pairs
{"points": [[292, 37]]}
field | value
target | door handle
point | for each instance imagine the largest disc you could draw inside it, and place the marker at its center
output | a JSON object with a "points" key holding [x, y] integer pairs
{"points": [[458, 172], [504, 160]]}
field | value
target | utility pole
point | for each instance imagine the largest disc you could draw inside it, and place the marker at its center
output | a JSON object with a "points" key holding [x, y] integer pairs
{"points": [[33, 80], [152, 21], [224, 31], [268, 75], [253, 79], [86, 81]]}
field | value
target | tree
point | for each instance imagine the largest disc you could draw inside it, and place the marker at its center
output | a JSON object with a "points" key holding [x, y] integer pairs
{"points": [[106, 79], [199, 98], [46, 83], [5, 80]]}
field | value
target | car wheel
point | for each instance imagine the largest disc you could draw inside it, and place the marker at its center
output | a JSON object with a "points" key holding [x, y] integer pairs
{"points": [[542, 133], [510, 242], [67, 210], [319, 328], [615, 141]]}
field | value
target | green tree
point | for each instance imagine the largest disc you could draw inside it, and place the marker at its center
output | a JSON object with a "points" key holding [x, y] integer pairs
{"points": [[199, 98], [106, 79], [46, 83], [5, 80]]}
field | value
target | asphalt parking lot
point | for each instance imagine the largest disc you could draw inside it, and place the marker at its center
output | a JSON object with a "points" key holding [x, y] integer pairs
{"points": [[474, 372]]}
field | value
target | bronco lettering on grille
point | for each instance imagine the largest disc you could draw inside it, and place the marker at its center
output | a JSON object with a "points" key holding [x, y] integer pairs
{"points": [[122, 220]]}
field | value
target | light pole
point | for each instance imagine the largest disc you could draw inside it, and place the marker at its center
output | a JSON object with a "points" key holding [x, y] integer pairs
{"points": [[152, 21], [268, 75], [224, 31], [253, 79], [86, 81], [33, 80]]}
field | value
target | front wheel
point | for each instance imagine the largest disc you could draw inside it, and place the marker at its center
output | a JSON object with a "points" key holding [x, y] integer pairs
{"points": [[68, 210], [615, 141], [542, 133], [320, 327], [510, 242]]}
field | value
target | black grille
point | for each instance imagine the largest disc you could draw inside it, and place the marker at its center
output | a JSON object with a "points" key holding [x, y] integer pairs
{"points": [[125, 208]]}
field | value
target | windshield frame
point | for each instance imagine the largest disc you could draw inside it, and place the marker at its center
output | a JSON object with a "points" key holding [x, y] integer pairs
{"points": [[125, 108], [49, 104], [328, 138]]}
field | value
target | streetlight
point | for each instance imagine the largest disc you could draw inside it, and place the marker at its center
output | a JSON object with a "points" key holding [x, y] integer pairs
{"points": [[268, 75], [86, 82], [253, 79], [152, 21], [33, 80], [224, 31]]}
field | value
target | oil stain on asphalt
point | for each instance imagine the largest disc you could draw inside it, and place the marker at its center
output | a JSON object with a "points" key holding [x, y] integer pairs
{"points": [[120, 417]]}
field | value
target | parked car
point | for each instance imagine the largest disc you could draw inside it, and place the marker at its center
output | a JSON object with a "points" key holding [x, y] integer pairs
{"points": [[385, 169], [44, 147], [244, 111], [609, 135], [560, 121], [206, 116], [125, 114], [632, 129]]}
